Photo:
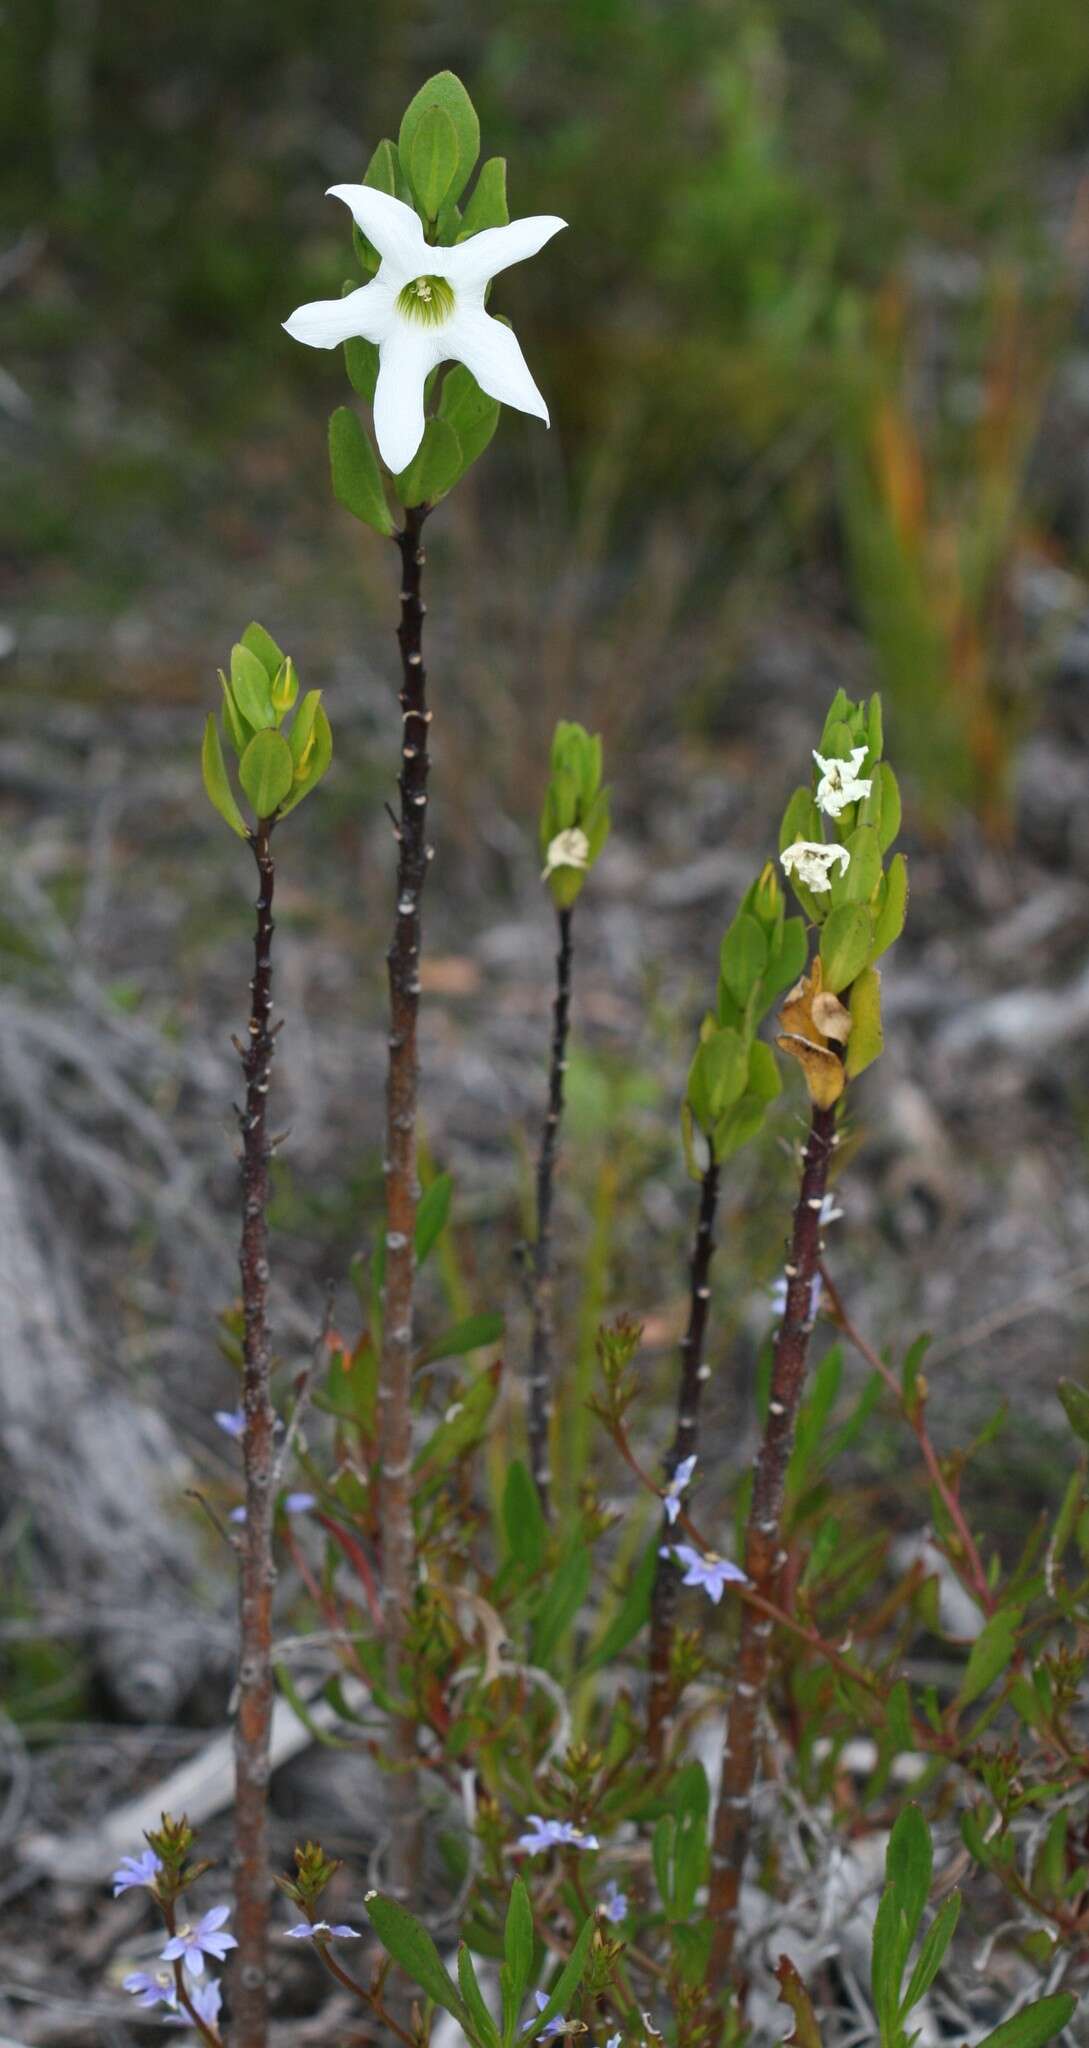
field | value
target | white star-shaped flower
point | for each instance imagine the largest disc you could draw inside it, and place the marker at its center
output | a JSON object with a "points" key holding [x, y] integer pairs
{"points": [[840, 783], [810, 860], [425, 307], [570, 849]]}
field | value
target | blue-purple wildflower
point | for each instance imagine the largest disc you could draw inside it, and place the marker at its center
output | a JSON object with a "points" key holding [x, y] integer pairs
{"points": [[554, 1834], [706, 1569], [206, 2000], [231, 1421], [135, 1870], [308, 1930], [671, 1498], [190, 1945], [149, 1990], [613, 1903], [553, 2026]]}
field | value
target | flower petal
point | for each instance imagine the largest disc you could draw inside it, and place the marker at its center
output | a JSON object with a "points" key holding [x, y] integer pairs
{"points": [[325, 323], [492, 353], [405, 360], [393, 227], [471, 264]]}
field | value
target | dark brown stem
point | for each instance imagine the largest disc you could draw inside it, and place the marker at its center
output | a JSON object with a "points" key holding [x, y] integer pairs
{"points": [[544, 1331], [694, 1370], [257, 1573], [402, 1194], [361, 1992], [763, 1554]]}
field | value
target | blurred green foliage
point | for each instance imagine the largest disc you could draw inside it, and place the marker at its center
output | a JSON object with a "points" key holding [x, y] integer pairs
{"points": [[749, 183]]}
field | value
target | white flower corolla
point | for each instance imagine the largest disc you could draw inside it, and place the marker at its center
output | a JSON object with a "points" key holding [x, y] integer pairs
{"points": [[570, 849], [840, 783], [425, 306], [810, 860]]}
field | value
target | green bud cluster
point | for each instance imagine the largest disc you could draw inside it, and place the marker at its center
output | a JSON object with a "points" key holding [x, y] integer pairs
{"points": [[313, 1870], [428, 167], [276, 767], [862, 913], [575, 818], [172, 1843], [734, 1075]]}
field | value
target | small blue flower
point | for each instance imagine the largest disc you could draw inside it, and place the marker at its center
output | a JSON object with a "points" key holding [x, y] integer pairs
{"points": [[159, 1989], [298, 1503], [614, 1903], [308, 1930], [231, 1421], [206, 2000], [135, 1870], [554, 2026], [192, 1944], [708, 1570], [778, 1293], [671, 1498], [614, 2041], [555, 1834]]}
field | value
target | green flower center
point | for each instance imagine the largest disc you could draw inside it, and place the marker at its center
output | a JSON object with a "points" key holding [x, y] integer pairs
{"points": [[428, 299]]}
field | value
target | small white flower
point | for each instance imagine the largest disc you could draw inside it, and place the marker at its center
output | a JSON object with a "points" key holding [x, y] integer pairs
{"points": [[671, 1498], [840, 784], [425, 306], [830, 1210], [810, 860], [570, 849]]}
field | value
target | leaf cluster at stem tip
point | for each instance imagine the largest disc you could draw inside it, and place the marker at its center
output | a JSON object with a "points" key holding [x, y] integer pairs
{"points": [[575, 818], [277, 765]]}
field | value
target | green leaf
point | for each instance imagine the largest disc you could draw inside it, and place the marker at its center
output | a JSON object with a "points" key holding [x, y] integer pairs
{"points": [[523, 1521], [435, 466], [462, 1426], [932, 1954], [890, 805], [357, 484], [866, 1042], [485, 2030], [1035, 2024], [891, 907], [251, 688], [568, 1981], [744, 957], [445, 92], [433, 1214], [718, 1075], [631, 1614], [264, 646], [792, 1993], [846, 941], [909, 1865], [216, 782], [518, 1945], [488, 206], [1075, 1399], [320, 755], [383, 174], [411, 1945], [875, 737], [267, 772], [990, 1654], [468, 1335], [863, 872], [239, 730], [469, 411], [561, 1602], [889, 1955], [360, 357], [432, 159]]}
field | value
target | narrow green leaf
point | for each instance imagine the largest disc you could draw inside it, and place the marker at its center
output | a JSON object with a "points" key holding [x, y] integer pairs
{"points": [[561, 1602], [487, 208], [411, 1945], [251, 688], [866, 1042], [909, 1863], [1075, 1401], [891, 907], [523, 1521], [568, 1981], [469, 411], [846, 943], [320, 756], [435, 466], [631, 1614], [446, 92], [432, 159], [264, 646], [469, 1335], [932, 1953], [863, 871], [990, 1654], [216, 783], [518, 1945], [485, 2030], [792, 1993], [433, 1214], [266, 772], [357, 484], [890, 806], [1035, 2024]]}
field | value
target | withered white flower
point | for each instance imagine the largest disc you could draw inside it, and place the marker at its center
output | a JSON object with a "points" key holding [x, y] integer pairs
{"points": [[810, 860], [425, 306], [570, 849], [840, 783]]}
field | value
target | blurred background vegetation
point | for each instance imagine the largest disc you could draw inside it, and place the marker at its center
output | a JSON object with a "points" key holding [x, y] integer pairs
{"points": [[825, 256]]}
